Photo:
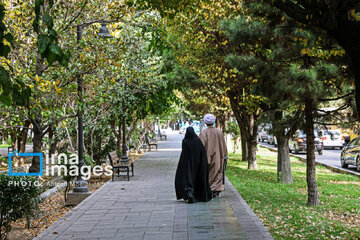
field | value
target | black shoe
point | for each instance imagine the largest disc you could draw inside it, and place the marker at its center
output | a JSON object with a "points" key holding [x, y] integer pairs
{"points": [[190, 198], [215, 194]]}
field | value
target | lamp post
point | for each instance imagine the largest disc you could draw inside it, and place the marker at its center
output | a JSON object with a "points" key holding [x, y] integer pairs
{"points": [[124, 157], [80, 183]]}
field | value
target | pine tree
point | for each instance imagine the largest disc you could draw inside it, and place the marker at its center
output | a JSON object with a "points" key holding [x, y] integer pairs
{"points": [[293, 68]]}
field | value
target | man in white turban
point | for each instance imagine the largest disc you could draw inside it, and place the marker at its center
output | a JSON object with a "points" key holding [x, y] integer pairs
{"points": [[216, 151]]}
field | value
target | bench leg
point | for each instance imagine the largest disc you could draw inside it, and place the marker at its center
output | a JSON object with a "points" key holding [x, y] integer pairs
{"points": [[132, 168], [113, 175]]}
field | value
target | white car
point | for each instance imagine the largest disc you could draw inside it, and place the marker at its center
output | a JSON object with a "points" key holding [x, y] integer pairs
{"points": [[332, 138]]}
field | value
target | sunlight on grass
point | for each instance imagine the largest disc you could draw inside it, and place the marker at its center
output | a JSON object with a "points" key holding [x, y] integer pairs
{"points": [[282, 208]]}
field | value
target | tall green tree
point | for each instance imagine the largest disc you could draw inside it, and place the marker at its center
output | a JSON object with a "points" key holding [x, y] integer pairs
{"points": [[202, 46], [339, 19]]}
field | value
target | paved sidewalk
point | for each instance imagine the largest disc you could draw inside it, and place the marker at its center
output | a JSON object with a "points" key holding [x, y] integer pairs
{"points": [[146, 208]]}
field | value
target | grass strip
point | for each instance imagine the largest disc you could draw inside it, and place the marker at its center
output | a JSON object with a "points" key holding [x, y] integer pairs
{"points": [[282, 207]]}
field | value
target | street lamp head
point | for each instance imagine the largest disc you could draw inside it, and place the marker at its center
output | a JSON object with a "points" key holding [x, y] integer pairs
{"points": [[104, 31]]}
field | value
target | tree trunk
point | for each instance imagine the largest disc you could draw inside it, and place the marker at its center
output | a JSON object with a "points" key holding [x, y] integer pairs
{"points": [[251, 158], [119, 136], [23, 136], [37, 143], [217, 123], [284, 165], [5, 137], [252, 140], [356, 67], [222, 122], [53, 140], [98, 141], [236, 143], [13, 137], [283, 157], [244, 148], [132, 129], [313, 194]]}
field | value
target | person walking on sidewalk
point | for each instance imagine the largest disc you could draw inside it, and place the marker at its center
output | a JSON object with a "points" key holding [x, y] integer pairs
{"points": [[192, 173], [216, 152]]}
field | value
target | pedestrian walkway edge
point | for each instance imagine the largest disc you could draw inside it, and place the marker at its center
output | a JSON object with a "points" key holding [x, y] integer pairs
{"points": [[254, 229]]}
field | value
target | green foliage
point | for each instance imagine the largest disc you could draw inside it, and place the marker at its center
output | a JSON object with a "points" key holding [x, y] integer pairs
{"points": [[285, 60], [47, 41], [166, 8], [4, 161], [10, 91], [88, 160], [4, 48], [16, 201], [232, 128]]}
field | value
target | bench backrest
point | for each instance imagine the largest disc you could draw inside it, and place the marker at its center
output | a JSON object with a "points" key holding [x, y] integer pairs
{"points": [[147, 140], [110, 159]]}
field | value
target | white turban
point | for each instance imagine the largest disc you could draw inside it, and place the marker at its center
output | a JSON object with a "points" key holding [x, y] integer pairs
{"points": [[209, 118]]}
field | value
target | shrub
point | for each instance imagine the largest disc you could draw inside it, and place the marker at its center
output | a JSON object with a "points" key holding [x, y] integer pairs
{"points": [[3, 161], [89, 161], [16, 200]]}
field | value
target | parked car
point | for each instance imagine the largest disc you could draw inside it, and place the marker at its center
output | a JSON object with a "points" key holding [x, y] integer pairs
{"points": [[331, 138], [346, 133], [263, 135], [350, 154], [297, 143]]}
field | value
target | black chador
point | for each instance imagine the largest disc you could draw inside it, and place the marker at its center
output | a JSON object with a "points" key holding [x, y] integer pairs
{"points": [[192, 174]]}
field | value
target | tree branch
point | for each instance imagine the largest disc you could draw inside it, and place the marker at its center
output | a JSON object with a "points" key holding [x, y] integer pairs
{"points": [[334, 99], [76, 15], [292, 9]]}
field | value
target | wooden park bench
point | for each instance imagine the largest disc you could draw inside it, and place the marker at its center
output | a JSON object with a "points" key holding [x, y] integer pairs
{"points": [[162, 135], [120, 165], [150, 144]]}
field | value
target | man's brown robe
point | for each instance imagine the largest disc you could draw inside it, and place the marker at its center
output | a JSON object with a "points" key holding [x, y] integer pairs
{"points": [[214, 143]]}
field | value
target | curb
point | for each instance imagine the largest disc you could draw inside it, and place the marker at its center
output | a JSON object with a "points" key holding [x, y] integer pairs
{"points": [[254, 229], [332, 168], [51, 191]]}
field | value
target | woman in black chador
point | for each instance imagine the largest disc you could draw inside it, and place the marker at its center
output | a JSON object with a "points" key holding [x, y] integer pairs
{"points": [[192, 174]]}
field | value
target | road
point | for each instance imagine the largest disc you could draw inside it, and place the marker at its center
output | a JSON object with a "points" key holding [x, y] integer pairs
{"points": [[330, 157]]}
